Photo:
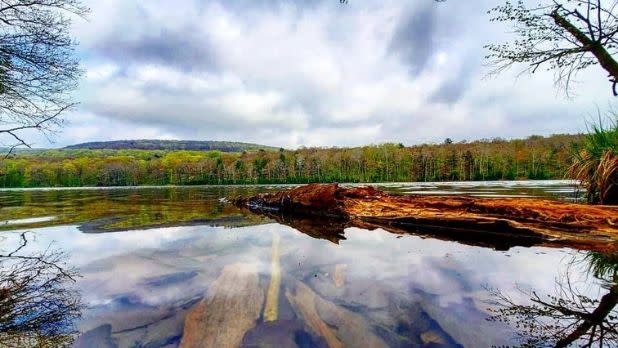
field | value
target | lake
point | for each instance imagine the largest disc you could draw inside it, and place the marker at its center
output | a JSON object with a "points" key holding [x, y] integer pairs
{"points": [[170, 266]]}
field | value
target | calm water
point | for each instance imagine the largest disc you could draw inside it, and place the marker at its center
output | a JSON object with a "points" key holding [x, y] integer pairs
{"points": [[163, 267]]}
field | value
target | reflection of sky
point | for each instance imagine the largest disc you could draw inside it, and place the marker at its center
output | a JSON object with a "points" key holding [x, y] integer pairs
{"points": [[147, 270], [166, 266], [563, 189]]}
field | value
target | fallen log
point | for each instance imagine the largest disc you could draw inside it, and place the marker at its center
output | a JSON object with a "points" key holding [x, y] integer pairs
{"points": [[499, 223]]}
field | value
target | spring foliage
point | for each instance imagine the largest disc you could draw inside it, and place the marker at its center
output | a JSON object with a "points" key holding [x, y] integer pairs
{"points": [[533, 158]]}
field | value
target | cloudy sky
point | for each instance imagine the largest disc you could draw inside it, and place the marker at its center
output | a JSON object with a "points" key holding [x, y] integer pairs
{"points": [[308, 72]]}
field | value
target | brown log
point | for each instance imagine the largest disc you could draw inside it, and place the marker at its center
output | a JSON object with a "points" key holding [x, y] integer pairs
{"points": [[340, 327], [230, 309], [492, 222]]}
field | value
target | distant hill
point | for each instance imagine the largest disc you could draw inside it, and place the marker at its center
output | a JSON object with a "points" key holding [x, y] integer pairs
{"points": [[170, 145]]}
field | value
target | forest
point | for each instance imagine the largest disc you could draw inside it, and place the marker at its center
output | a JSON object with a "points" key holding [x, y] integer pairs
{"points": [[535, 157], [170, 145]]}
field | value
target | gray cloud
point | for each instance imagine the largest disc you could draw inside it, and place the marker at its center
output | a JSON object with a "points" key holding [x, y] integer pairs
{"points": [[271, 5], [166, 46], [454, 87], [157, 41], [413, 40], [291, 73], [451, 91]]}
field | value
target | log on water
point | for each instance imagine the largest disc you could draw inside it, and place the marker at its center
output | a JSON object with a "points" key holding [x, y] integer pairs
{"points": [[492, 222]]}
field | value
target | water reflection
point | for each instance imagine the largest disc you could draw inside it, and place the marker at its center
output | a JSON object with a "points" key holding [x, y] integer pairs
{"points": [[402, 291], [568, 317], [374, 288], [178, 275], [38, 302], [473, 234], [117, 209], [122, 209]]}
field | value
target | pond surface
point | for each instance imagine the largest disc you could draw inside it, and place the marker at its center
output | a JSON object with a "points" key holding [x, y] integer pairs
{"points": [[180, 266]]}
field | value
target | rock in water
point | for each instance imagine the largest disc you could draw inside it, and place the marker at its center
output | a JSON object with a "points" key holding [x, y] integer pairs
{"points": [[430, 337], [339, 327], [233, 305]]}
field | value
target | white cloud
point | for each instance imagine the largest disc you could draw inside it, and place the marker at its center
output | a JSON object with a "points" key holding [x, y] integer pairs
{"points": [[100, 72], [319, 73]]}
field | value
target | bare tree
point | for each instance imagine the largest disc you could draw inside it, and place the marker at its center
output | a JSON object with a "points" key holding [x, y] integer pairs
{"points": [[564, 36], [38, 304], [38, 67]]}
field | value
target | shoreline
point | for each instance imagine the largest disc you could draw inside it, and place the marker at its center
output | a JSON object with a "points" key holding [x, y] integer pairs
{"points": [[345, 184]]}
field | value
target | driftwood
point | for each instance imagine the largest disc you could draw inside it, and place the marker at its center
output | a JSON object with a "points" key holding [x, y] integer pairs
{"points": [[324, 210]]}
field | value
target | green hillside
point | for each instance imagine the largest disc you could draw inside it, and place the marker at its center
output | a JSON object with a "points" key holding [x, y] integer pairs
{"points": [[170, 145]]}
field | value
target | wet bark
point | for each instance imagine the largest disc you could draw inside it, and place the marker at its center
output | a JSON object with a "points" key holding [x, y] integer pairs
{"points": [[499, 223]]}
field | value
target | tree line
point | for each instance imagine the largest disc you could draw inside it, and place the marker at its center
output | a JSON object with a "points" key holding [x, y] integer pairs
{"points": [[535, 157], [170, 145]]}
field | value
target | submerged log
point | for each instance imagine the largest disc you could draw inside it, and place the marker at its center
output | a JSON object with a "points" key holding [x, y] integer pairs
{"points": [[340, 327], [271, 308], [493, 222], [230, 309]]}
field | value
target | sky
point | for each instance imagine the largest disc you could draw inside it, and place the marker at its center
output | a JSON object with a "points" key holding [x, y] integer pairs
{"points": [[309, 73]]}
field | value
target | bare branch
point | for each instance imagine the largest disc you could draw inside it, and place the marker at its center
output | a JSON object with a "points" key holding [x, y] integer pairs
{"points": [[559, 37], [38, 307], [38, 67]]}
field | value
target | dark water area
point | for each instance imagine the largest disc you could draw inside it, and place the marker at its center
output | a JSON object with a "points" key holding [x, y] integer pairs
{"points": [[180, 266]]}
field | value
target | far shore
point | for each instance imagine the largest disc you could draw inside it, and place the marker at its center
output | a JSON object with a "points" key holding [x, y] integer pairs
{"points": [[575, 184]]}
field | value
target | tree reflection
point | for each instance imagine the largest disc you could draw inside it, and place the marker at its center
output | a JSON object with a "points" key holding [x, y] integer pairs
{"points": [[568, 317], [38, 304]]}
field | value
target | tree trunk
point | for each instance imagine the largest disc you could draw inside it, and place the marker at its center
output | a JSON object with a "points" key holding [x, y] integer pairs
{"points": [[595, 47]]}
